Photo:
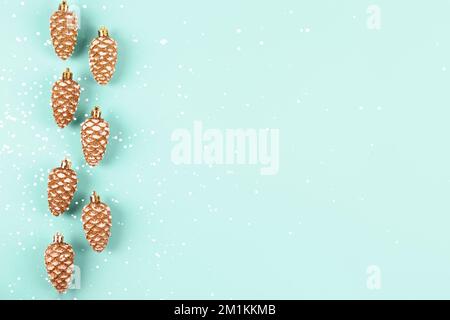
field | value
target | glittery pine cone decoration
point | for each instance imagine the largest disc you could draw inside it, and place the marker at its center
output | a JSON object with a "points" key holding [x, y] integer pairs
{"points": [[94, 138], [59, 259], [97, 223], [62, 185], [65, 97], [103, 57], [64, 31]]}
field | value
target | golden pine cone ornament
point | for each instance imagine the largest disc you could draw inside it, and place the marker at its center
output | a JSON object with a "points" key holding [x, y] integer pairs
{"points": [[65, 98], [64, 31], [97, 223], [94, 137], [103, 57], [62, 185], [59, 259]]}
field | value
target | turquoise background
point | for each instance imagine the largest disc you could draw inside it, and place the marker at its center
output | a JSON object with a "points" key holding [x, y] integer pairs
{"points": [[364, 158]]}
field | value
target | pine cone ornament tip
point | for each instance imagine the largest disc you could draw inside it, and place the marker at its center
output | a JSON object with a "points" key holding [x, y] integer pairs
{"points": [[67, 75], [58, 237], [96, 113], [63, 6], [59, 262], [66, 164], [95, 198], [103, 32]]}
